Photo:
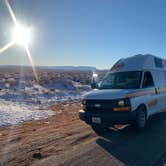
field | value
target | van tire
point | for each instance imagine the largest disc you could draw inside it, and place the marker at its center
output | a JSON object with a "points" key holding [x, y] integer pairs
{"points": [[141, 118], [99, 130]]}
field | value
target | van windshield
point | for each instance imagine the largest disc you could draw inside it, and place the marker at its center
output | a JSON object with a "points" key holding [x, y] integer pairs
{"points": [[121, 80]]}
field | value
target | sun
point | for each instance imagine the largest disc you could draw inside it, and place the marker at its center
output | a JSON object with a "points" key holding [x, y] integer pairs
{"points": [[21, 35]]}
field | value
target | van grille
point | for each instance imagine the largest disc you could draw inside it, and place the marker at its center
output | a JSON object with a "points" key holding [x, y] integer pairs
{"points": [[100, 105]]}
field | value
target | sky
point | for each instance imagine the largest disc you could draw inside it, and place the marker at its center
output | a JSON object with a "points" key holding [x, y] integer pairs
{"points": [[85, 32]]}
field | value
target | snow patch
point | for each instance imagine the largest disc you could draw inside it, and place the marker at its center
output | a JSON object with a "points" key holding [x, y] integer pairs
{"points": [[12, 113], [21, 102]]}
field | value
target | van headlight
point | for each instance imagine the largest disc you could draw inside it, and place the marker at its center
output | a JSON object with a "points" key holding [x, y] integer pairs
{"points": [[123, 102], [123, 105]]}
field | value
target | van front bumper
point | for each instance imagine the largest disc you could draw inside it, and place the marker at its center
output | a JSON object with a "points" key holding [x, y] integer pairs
{"points": [[108, 119]]}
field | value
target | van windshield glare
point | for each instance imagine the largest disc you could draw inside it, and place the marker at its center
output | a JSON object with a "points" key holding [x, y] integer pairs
{"points": [[121, 80]]}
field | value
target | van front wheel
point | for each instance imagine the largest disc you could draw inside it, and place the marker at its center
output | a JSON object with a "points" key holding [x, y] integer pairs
{"points": [[141, 119]]}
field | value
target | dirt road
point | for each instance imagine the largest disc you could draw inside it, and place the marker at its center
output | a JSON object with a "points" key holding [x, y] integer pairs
{"points": [[65, 140], [120, 147]]}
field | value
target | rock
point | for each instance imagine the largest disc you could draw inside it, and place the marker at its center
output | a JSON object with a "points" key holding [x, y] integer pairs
{"points": [[37, 155]]}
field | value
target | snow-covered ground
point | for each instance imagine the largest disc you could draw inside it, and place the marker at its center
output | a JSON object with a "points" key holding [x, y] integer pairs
{"points": [[46, 94], [23, 103], [12, 113]]}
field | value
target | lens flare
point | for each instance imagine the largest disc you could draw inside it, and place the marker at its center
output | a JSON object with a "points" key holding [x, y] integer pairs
{"points": [[7, 46], [32, 63], [11, 12], [21, 35]]}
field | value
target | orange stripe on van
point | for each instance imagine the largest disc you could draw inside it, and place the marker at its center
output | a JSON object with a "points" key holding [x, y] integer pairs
{"points": [[136, 94], [152, 103], [163, 110], [162, 90]]}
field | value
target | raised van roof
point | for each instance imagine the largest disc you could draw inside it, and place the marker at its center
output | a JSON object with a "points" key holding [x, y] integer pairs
{"points": [[139, 62]]}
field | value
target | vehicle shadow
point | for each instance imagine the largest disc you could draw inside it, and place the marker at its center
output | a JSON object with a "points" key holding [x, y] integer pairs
{"points": [[134, 148]]}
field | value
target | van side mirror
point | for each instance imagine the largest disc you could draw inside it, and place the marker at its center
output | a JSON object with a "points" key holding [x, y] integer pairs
{"points": [[94, 84]]}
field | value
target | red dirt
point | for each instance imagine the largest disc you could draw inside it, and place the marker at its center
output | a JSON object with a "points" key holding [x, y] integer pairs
{"points": [[29, 142]]}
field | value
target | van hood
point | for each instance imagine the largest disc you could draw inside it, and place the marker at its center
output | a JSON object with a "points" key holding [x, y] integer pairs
{"points": [[106, 94]]}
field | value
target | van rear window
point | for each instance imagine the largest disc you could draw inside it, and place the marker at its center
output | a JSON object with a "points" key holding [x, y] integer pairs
{"points": [[158, 62]]}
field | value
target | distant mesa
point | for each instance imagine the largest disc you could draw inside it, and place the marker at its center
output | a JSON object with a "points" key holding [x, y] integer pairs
{"points": [[70, 68], [82, 68]]}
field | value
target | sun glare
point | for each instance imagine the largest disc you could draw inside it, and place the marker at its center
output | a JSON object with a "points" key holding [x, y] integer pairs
{"points": [[21, 35]]}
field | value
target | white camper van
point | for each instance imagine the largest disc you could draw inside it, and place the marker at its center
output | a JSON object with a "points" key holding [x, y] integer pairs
{"points": [[132, 91]]}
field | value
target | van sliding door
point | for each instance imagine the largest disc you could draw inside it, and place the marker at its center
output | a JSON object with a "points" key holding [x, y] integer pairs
{"points": [[160, 85]]}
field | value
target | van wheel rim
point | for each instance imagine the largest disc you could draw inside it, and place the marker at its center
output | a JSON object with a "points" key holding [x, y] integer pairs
{"points": [[141, 119]]}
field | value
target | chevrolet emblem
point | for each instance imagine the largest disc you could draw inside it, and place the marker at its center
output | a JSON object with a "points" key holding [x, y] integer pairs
{"points": [[97, 105]]}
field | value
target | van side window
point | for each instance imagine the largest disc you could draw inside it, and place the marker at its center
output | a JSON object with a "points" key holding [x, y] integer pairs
{"points": [[148, 80], [158, 62], [165, 78]]}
